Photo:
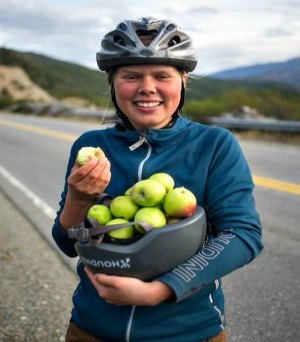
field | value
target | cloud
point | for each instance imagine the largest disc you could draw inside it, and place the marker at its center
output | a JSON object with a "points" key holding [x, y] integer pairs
{"points": [[277, 32], [227, 34]]}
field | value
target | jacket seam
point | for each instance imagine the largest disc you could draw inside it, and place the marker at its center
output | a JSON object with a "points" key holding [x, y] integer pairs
{"points": [[216, 308]]}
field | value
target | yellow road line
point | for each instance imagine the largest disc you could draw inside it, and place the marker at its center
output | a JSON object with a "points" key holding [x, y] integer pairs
{"points": [[38, 130], [265, 182], [292, 188]]}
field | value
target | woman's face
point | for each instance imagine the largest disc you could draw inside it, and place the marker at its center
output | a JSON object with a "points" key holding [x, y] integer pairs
{"points": [[148, 94]]}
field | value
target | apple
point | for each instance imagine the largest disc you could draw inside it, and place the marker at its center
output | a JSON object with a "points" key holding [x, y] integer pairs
{"points": [[165, 179], [121, 233], [179, 203], [100, 212], [152, 215], [123, 207], [128, 192], [86, 153], [148, 193]]}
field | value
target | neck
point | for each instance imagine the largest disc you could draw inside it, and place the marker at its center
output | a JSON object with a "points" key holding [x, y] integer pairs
{"points": [[125, 125]]}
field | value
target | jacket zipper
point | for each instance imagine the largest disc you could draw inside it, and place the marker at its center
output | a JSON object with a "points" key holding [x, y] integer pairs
{"points": [[140, 142], [129, 325]]}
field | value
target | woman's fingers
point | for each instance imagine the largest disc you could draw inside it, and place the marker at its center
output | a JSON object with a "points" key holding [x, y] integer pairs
{"points": [[90, 179]]}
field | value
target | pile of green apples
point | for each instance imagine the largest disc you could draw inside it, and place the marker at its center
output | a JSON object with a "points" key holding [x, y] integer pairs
{"points": [[154, 200]]}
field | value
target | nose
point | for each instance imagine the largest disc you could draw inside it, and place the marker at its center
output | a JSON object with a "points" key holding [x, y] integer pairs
{"points": [[147, 86]]}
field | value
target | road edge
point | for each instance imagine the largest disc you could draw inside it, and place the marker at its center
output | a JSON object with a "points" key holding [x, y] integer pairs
{"points": [[39, 220]]}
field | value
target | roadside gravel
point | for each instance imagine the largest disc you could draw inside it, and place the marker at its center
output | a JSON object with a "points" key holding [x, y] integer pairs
{"points": [[36, 286]]}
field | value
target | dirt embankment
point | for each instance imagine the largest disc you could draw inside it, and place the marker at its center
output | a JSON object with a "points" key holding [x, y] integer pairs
{"points": [[14, 82]]}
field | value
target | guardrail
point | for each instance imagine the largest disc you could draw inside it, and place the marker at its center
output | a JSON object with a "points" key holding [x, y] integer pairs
{"points": [[268, 125], [63, 109]]}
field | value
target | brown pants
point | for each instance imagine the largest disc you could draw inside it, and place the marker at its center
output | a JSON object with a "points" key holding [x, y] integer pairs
{"points": [[222, 337], [74, 334]]}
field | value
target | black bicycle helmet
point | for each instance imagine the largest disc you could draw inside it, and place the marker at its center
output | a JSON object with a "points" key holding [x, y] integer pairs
{"points": [[146, 41], [156, 252]]}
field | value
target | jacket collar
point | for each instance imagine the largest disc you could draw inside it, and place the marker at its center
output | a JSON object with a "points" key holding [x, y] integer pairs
{"points": [[153, 135]]}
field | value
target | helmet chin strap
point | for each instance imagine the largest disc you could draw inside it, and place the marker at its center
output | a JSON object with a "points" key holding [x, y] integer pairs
{"points": [[125, 122]]}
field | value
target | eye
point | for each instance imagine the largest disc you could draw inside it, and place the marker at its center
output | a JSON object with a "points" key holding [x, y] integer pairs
{"points": [[130, 77], [163, 76]]}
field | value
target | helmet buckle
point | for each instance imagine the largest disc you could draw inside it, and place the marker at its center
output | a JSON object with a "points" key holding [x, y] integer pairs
{"points": [[79, 234]]}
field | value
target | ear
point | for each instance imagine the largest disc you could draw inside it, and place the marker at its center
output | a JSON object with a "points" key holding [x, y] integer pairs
{"points": [[185, 77]]}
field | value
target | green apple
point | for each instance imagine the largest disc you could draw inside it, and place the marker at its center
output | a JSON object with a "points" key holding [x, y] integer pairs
{"points": [[86, 153], [123, 207], [100, 212], [165, 179], [148, 193], [180, 202], [122, 233], [154, 216], [128, 192]]}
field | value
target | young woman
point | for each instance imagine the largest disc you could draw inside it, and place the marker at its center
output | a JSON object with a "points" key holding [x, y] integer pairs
{"points": [[147, 62]]}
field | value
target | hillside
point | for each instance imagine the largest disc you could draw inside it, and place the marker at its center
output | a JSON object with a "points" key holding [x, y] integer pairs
{"points": [[287, 72], [204, 96], [16, 84], [60, 79]]}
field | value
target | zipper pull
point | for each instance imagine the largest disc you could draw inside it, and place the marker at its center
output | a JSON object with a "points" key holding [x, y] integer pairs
{"points": [[138, 143]]}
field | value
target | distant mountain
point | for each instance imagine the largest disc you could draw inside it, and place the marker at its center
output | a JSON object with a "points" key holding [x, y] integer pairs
{"points": [[287, 72]]}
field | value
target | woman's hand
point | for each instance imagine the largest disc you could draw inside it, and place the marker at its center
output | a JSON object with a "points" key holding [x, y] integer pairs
{"points": [[85, 185], [129, 291], [89, 181]]}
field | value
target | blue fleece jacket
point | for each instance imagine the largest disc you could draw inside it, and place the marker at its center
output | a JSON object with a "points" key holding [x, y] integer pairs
{"points": [[209, 162]]}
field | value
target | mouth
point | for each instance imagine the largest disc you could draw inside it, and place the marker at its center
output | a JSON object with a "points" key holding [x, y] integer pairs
{"points": [[147, 104]]}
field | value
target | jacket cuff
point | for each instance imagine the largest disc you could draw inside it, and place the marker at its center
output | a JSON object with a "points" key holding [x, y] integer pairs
{"points": [[60, 236], [174, 284]]}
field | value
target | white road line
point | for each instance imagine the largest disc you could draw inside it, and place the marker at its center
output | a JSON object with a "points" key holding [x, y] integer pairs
{"points": [[37, 201]]}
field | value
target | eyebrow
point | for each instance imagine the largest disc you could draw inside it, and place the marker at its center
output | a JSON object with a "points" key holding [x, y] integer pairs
{"points": [[130, 71]]}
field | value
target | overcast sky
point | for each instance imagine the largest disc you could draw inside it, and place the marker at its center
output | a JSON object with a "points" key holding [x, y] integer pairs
{"points": [[226, 33]]}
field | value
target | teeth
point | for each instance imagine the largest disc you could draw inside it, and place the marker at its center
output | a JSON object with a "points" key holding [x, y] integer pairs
{"points": [[147, 104]]}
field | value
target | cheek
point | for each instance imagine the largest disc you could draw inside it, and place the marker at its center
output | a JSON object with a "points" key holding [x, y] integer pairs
{"points": [[123, 93], [174, 93]]}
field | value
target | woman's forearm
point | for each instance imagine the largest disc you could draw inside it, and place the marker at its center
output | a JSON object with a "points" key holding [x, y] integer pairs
{"points": [[74, 212]]}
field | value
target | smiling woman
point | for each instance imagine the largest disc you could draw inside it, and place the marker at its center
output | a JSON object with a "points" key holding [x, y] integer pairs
{"points": [[147, 62]]}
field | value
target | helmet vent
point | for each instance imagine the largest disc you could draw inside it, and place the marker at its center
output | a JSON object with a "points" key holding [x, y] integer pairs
{"points": [[174, 41], [170, 27], [146, 37], [122, 27], [119, 40]]}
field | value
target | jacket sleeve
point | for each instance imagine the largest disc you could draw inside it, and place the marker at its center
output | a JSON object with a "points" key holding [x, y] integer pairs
{"points": [[58, 233], [230, 209]]}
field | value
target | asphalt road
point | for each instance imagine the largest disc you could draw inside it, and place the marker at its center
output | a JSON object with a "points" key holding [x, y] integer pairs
{"points": [[262, 298]]}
